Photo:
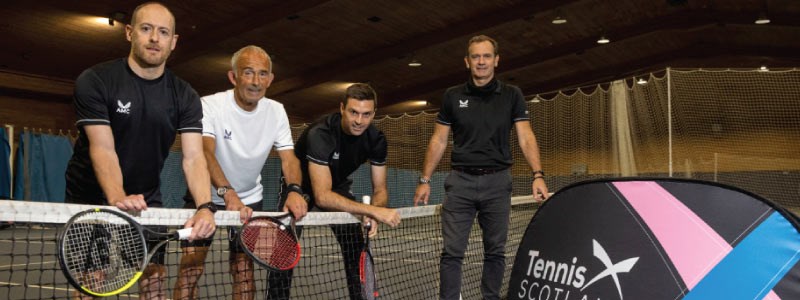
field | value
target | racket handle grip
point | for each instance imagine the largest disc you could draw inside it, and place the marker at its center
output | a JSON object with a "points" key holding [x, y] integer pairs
{"points": [[366, 199], [183, 234]]}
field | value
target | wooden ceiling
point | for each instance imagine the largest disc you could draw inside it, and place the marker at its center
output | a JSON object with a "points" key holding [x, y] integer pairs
{"points": [[320, 46]]}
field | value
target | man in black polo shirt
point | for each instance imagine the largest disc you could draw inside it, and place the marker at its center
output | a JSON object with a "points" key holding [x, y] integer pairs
{"points": [[481, 113], [129, 111], [330, 150]]}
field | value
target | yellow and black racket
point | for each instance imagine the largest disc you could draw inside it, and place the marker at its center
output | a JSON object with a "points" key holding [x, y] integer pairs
{"points": [[103, 252]]}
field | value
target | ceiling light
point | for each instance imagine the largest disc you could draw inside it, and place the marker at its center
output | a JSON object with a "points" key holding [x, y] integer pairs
{"points": [[641, 81], [414, 63], [104, 21], [762, 19], [115, 16], [603, 40], [559, 20], [763, 69]]}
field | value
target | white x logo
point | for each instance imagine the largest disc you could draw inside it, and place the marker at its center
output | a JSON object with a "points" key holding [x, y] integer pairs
{"points": [[612, 269]]}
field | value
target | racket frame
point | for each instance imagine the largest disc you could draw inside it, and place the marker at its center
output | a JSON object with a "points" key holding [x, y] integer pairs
{"points": [[144, 234], [366, 254], [278, 223]]}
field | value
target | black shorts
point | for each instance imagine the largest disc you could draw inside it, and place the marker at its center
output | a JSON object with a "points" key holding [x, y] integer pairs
{"points": [[158, 256]]}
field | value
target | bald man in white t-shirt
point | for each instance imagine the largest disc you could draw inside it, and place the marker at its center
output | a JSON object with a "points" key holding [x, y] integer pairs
{"points": [[240, 127]]}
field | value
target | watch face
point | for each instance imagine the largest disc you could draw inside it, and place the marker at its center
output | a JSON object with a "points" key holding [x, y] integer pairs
{"points": [[221, 191]]}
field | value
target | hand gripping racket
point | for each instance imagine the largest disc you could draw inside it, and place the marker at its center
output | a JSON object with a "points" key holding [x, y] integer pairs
{"points": [[366, 267], [103, 252], [271, 243]]}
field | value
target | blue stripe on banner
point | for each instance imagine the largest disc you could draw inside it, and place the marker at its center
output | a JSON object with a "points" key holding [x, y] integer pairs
{"points": [[755, 266]]}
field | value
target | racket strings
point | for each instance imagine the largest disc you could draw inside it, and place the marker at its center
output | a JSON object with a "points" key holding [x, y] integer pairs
{"points": [[102, 251], [271, 243]]}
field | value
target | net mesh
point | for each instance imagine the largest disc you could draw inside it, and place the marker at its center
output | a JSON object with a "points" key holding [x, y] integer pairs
{"points": [[406, 257]]}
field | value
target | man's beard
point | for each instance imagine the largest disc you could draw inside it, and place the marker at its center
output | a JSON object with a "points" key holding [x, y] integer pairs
{"points": [[147, 61]]}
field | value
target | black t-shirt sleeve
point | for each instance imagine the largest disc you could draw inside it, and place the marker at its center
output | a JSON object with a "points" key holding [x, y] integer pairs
{"points": [[320, 146], [190, 119], [90, 100], [378, 145], [519, 109], [445, 116]]}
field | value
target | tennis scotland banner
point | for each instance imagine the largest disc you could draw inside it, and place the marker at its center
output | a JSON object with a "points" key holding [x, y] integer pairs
{"points": [[657, 239]]}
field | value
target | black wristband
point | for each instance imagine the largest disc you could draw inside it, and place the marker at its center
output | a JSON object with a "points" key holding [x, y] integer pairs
{"points": [[538, 172], [293, 187]]}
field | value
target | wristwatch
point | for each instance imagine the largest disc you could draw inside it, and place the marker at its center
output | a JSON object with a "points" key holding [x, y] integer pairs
{"points": [[223, 189], [423, 180], [208, 205]]}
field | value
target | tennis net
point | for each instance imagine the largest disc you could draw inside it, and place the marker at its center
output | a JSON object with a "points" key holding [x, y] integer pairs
{"points": [[406, 257]]}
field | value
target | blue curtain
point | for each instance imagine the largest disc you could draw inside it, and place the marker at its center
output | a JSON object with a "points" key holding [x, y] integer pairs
{"points": [[5, 166], [56, 151], [41, 163], [21, 167]]}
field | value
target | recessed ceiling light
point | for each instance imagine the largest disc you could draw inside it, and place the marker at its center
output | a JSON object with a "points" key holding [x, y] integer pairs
{"points": [[763, 69], [559, 20], [603, 40], [414, 63], [762, 19], [641, 81]]}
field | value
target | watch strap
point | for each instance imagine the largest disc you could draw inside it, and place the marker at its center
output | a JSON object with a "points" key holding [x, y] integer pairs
{"points": [[208, 205]]}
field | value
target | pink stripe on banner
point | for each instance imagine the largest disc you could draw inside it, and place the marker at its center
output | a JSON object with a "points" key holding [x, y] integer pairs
{"points": [[692, 246]]}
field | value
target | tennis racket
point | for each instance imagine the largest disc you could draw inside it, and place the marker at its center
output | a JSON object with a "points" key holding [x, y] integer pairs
{"points": [[271, 243], [103, 252], [366, 267]]}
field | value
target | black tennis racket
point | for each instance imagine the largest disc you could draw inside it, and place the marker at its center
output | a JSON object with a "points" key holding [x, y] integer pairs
{"points": [[271, 243], [366, 267], [103, 252]]}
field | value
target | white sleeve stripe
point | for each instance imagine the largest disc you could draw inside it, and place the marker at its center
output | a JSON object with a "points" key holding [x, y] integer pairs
{"points": [[521, 119], [191, 128], [93, 120], [319, 161], [442, 122], [378, 163]]}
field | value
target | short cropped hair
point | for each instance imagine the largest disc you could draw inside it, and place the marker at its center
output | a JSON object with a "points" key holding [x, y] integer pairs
{"points": [[361, 92], [256, 49], [483, 38], [136, 13]]}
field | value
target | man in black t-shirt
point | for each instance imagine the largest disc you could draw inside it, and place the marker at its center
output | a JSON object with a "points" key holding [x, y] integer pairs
{"points": [[129, 111], [481, 113], [330, 150]]}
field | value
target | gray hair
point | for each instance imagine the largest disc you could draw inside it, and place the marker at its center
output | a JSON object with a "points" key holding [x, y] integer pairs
{"points": [[254, 48]]}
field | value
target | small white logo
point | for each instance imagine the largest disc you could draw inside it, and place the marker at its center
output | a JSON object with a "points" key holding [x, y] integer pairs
{"points": [[526, 112], [335, 155], [227, 134], [463, 103], [612, 269], [124, 108]]}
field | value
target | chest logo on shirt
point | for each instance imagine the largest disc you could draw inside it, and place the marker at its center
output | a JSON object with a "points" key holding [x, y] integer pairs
{"points": [[228, 134], [463, 103], [124, 108], [335, 155]]}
